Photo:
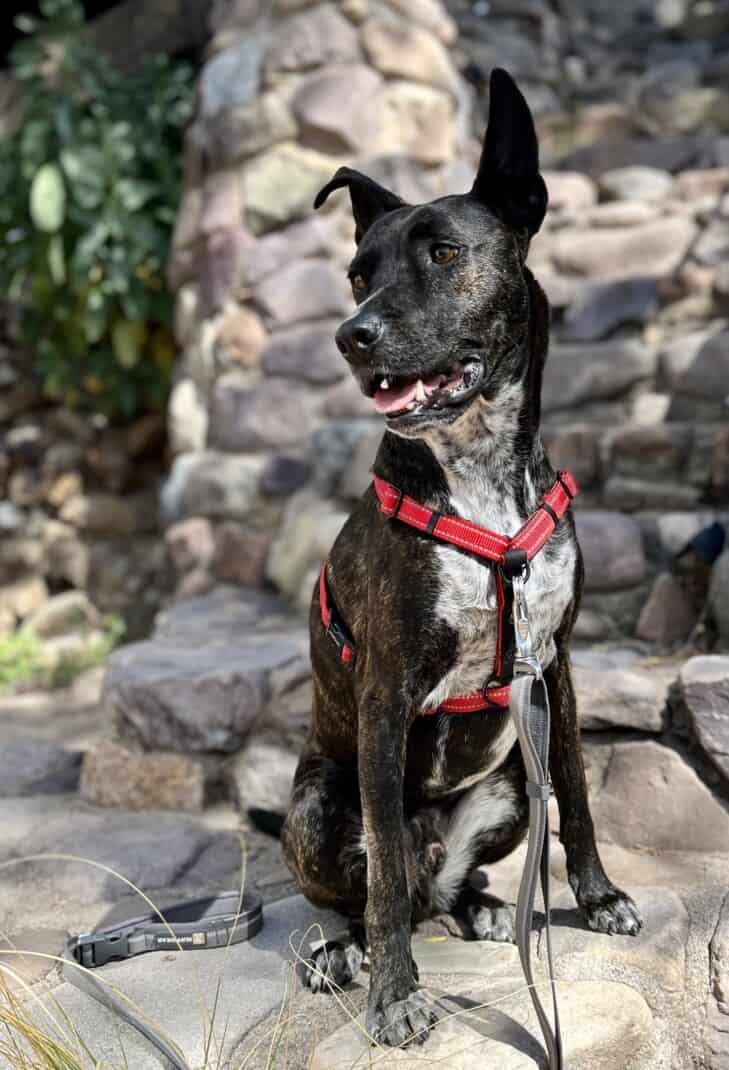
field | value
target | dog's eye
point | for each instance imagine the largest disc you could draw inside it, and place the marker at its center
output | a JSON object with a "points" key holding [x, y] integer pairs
{"points": [[358, 284], [444, 254]]}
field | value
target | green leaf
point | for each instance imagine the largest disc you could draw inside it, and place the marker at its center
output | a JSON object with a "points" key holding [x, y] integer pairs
{"points": [[48, 199], [57, 260], [127, 339]]}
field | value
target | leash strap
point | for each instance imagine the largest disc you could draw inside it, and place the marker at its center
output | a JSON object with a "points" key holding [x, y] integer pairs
{"points": [[197, 924], [529, 706]]}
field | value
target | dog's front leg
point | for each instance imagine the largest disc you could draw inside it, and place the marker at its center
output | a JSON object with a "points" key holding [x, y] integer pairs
{"points": [[396, 1013], [606, 908]]}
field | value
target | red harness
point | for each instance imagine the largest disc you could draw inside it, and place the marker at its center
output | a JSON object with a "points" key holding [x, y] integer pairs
{"points": [[510, 556]]}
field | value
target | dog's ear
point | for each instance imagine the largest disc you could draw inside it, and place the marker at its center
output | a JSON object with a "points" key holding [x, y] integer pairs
{"points": [[508, 180], [369, 199]]}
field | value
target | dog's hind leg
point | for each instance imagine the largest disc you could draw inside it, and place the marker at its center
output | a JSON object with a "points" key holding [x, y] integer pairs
{"points": [[486, 823], [323, 846]]}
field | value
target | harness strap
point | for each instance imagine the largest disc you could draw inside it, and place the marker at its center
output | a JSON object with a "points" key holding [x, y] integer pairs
{"points": [[482, 542], [334, 626]]}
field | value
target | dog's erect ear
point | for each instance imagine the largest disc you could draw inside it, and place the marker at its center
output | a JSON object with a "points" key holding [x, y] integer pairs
{"points": [[369, 199], [508, 180]]}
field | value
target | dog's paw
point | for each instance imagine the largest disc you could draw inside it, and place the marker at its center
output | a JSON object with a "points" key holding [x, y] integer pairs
{"points": [[613, 913], [332, 966], [401, 1022], [493, 923]]}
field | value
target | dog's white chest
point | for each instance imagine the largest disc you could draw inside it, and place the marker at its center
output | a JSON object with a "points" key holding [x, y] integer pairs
{"points": [[467, 600]]}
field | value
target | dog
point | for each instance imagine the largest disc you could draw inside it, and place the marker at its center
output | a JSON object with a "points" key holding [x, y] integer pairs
{"points": [[391, 811]]}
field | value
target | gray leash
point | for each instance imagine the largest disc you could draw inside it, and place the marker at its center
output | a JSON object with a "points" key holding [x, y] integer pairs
{"points": [[215, 921], [529, 708]]}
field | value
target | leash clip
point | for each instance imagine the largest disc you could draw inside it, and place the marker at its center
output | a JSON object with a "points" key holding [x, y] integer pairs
{"points": [[526, 661]]}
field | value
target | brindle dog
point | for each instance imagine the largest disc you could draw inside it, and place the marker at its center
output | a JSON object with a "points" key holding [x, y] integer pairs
{"points": [[391, 811]]}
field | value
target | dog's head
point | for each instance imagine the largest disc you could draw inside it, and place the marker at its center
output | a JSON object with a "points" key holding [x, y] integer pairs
{"points": [[442, 295]]}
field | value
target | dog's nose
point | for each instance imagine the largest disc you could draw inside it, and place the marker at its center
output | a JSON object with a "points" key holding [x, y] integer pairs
{"points": [[357, 336]]}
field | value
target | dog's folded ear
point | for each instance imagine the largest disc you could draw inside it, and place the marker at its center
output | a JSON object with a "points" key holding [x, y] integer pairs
{"points": [[369, 199], [508, 180]]}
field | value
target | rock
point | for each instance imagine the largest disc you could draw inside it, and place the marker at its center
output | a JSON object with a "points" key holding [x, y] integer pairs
{"points": [[719, 595], [305, 290], [712, 246], [416, 123], [655, 248], [152, 850], [636, 184], [357, 474], [601, 307], [240, 555], [403, 50], [187, 417], [70, 611], [649, 452], [242, 336], [11, 518], [716, 1020], [230, 79], [260, 417], [633, 494], [694, 185], [23, 597], [220, 206], [430, 14], [7, 622], [678, 354], [67, 557], [239, 132], [562, 135], [612, 547], [650, 798], [668, 615], [262, 775], [569, 191], [603, 1024], [317, 38], [193, 695], [610, 696], [115, 775], [603, 370], [280, 184], [561, 290], [328, 108], [576, 449], [650, 409], [19, 556], [276, 251], [35, 767], [305, 538], [190, 544], [621, 213], [704, 689], [213, 484], [100, 514], [307, 352], [283, 474]]}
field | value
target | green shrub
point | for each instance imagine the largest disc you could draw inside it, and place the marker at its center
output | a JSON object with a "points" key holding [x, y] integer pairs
{"points": [[24, 663], [89, 184]]}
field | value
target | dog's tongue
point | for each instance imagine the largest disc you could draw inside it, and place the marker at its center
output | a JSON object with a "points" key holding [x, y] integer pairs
{"points": [[396, 398]]}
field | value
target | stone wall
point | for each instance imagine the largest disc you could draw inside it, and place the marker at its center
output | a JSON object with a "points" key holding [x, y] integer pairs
{"points": [[273, 442], [79, 528], [285, 98]]}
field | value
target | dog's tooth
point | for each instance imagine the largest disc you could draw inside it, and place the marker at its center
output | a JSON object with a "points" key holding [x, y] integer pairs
{"points": [[420, 390], [385, 384]]}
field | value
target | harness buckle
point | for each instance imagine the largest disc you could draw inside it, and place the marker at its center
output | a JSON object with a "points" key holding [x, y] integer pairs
{"points": [[398, 503], [515, 565], [96, 949], [337, 636]]}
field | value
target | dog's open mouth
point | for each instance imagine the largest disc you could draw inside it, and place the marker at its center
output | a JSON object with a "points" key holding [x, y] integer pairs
{"points": [[399, 395]]}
